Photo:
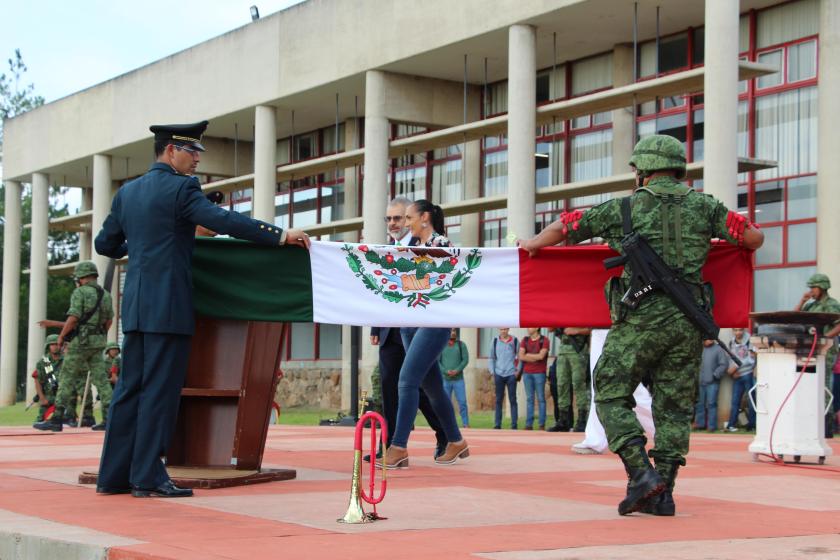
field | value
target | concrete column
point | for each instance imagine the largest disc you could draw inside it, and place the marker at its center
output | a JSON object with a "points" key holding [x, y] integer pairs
{"points": [[522, 106], [474, 376], [352, 140], [86, 237], [265, 166], [828, 164], [376, 183], [37, 273], [102, 196], [624, 124], [11, 295], [720, 176]]}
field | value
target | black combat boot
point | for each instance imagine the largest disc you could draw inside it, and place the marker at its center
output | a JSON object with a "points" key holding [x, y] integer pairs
{"points": [[87, 422], [643, 481], [562, 424], [580, 424], [54, 424], [663, 504]]}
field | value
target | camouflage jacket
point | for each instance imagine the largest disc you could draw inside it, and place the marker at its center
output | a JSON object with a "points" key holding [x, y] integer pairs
{"points": [[45, 368], [677, 222], [110, 363], [93, 333], [825, 304]]}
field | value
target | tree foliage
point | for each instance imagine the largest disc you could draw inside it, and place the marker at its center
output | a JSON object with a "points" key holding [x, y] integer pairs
{"points": [[16, 99]]}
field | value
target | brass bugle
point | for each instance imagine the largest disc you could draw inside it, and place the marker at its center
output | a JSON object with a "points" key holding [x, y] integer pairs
{"points": [[355, 510]]}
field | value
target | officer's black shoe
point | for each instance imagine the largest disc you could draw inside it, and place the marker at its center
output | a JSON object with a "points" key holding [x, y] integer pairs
{"points": [[70, 422], [52, 425], [107, 490], [165, 490], [98, 427], [557, 428], [643, 481], [88, 422]]}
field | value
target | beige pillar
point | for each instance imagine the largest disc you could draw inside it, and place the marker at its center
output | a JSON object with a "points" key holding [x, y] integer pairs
{"points": [[265, 166], [11, 295], [474, 376], [86, 237], [624, 123], [720, 174], [352, 141], [828, 164], [102, 196], [522, 106], [37, 274], [375, 188]]}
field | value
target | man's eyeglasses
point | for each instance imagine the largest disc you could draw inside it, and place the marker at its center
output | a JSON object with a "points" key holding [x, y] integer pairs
{"points": [[389, 219], [191, 151]]}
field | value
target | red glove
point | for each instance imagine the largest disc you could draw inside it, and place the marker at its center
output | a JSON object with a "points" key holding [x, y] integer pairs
{"points": [[572, 218], [737, 225], [35, 374]]}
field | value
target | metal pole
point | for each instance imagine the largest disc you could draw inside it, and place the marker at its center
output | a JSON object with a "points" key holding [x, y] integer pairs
{"points": [[355, 334], [236, 149]]}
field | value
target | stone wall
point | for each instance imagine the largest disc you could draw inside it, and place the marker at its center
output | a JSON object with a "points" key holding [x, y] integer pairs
{"points": [[310, 387]]}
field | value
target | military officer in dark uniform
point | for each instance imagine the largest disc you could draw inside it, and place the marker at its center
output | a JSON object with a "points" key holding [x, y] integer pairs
{"points": [[153, 220]]}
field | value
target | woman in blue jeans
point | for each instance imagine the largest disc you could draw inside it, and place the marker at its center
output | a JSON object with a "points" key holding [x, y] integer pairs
{"points": [[423, 347]]}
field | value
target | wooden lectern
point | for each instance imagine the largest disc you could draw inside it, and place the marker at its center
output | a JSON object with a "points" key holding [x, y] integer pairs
{"points": [[226, 403]]}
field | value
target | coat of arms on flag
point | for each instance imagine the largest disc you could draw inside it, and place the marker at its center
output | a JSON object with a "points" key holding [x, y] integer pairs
{"points": [[416, 275]]}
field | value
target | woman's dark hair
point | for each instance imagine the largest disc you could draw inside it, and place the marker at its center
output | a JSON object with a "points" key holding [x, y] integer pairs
{"points": [[435, 213]]}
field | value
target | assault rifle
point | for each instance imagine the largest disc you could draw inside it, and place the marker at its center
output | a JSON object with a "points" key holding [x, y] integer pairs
{"points": [[650, 273]]}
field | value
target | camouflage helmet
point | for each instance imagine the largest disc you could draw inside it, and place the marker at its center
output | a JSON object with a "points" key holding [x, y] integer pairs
{"points": [[85, 268], [51, 339], [659, 152], [819, 281], [112, 346]]}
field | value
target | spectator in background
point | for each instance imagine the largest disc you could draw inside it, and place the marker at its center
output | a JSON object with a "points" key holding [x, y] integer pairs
{"points": [[742, 378], [503, 364], [453, 360], [533, 353], [712, 367]]}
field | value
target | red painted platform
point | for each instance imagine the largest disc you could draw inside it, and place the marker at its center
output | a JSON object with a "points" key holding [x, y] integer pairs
{"points": [[520, 495]]}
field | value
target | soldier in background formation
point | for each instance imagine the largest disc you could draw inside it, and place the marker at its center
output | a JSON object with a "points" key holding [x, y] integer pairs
{"points": [[817, 300], [88, 320], [653, 337], [112, 362], [572, 367], [46, 376]]}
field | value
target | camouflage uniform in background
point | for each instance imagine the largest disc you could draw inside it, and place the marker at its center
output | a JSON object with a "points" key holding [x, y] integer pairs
{"points": [[826, 304], [112, 365], [655, 339], [572, 369], [46, 372], [84, 353]]}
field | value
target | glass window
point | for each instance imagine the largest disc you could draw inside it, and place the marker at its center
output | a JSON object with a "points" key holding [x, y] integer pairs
{"points": [[241, 201], [549, 163], [411, 182], [305, 202], [697, 131], [306, 146], [743, 200], [744, 34], [591, 159], [780, 288], [787, 22], [329, 342], [802, 242], [673, 55], [786, 132], [332, 203], [495, 173], [592, 74], [769, 200], [497, 99], [771, 251], [303, 341], [329, 139], [485, 340], [698, 52], [802, 198], [802, 61], [446, 182], [281, 210], [773, 58], [283, 151]]}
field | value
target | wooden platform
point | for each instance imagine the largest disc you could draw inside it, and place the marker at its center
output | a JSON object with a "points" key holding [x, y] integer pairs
{"points": [[209, 478]]}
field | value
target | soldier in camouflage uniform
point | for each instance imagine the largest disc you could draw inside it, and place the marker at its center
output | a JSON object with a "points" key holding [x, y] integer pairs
{"points": [[817, 300], [655, 338], [112, 362], [46, 375], [572, 368], [90, 323]]}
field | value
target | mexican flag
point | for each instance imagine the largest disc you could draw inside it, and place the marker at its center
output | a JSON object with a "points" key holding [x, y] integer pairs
{"points": [[384, 285]]}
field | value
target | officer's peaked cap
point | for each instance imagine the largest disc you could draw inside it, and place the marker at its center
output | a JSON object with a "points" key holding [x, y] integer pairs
{"points": [[188, 135]]}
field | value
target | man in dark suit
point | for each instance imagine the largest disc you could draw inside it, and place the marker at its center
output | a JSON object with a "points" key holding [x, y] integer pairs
{"points": [[153, 220], [391, 350]]}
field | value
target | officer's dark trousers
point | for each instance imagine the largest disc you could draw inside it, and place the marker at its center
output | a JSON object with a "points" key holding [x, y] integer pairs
{"points": [[391, 357], [143, 410]]}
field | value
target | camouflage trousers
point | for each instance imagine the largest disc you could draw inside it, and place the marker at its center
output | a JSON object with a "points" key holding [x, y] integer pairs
{"points": [[77, 362], [669, 356], [571, 370]]}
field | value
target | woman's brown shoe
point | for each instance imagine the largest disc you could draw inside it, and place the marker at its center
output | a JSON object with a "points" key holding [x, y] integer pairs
{"points": [[395, 458], [454, 451]]}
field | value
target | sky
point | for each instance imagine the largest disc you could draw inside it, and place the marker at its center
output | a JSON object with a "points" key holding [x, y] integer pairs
{"points": [[70, 45]]}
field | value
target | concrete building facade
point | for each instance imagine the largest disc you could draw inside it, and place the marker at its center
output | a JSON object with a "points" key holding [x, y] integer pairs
{"points": [[506, 113]]}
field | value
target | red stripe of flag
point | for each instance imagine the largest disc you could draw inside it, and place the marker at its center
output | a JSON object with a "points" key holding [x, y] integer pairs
{"points": [[564, 286]]}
